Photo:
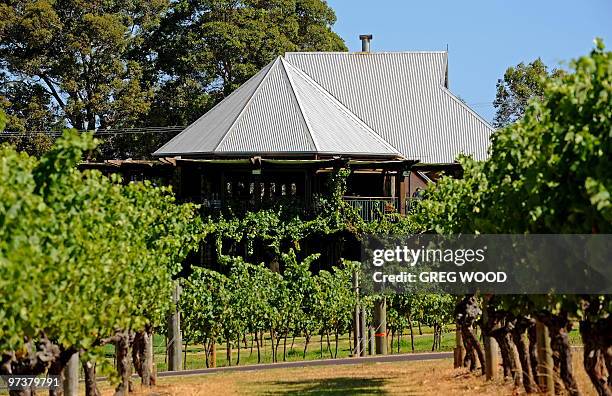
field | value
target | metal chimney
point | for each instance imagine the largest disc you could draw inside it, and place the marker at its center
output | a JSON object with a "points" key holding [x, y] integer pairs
{"points": [[365, 42]]}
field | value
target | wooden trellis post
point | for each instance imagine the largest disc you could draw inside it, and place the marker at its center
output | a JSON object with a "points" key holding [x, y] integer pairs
{"points": [[175, 339], [380, 325], [71, 376], [546, 379]]}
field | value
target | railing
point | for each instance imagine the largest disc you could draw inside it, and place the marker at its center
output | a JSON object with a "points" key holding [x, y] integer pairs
{"points": [[371, 208]]}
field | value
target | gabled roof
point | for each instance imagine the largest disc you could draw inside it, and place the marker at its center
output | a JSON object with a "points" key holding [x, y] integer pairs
{"points": [[280, 111], [403, 97]]}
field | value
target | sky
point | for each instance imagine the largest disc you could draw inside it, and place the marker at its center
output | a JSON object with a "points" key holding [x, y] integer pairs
{"points": [[484, 37]]}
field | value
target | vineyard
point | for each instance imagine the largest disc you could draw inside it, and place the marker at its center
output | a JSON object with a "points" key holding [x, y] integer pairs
{"points": [[89, 263]]}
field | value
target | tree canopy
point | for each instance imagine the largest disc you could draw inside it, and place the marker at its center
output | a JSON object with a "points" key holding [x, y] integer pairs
{"points": [[519, 84], [118, 64]]}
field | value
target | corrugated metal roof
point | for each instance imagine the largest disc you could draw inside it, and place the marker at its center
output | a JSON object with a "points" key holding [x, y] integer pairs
{"points": [[401, 96], [389, 104], [281, 110], [207, 131]]}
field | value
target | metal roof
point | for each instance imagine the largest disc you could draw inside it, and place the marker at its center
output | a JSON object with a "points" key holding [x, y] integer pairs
{"points": [[402, 96], [392, 104], [279, 111]]}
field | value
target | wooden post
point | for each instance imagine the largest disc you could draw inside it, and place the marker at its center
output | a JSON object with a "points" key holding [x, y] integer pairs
{"points": [[213, 354], [490, 347], [402, 193], [491, 357], [148, 372], [362, 330], [372, 343], [175, 340], [356, 320], [380, 325], [459, 348], [71, 376], [545, 369]]}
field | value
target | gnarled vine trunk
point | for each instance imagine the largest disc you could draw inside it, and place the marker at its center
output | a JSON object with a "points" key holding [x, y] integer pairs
{"points": [[89, 368], [122, 353], [559, 326], [142, 356], [466, 313], [596, 339], [39, 356], [518, 336]]}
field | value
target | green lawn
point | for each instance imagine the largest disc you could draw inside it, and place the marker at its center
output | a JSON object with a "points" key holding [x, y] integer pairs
{"points": [[195, 357]]}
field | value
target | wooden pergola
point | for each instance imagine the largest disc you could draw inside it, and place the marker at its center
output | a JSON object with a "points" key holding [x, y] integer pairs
{"points": [[257, 183]]}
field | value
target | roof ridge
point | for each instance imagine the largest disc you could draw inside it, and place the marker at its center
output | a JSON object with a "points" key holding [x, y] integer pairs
{"points": [[246, 104], [468, 108], [313, 53], [335, 101], [299, 105]]}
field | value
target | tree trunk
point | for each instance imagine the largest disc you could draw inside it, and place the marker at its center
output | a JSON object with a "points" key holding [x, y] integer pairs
{"points": [[559, 326], [473, 345], [238, 358], [57, 367], [122, 352], [285, 346], [399, 341], [467, 312], [518, 336], [91, 389], [594, 361], [533, 351], [321, 344], [142, 355], [336, 351], [411, 333], [509, 360], [228, 351], [272, 339]]}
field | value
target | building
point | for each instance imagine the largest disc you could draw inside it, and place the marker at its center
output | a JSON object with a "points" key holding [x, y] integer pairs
{"points": [[388, 116]]}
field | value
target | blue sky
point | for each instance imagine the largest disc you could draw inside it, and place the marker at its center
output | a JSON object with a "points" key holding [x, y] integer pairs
{"points": [[484, 37]]}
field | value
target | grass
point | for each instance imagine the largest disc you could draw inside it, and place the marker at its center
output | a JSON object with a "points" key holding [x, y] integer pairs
{"points": [[196, 358], [400, 378]]}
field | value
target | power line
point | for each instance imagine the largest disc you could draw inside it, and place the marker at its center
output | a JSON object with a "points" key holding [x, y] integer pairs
{"points": [[99, 132]]}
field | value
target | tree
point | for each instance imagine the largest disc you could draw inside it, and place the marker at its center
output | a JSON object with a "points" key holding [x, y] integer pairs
{"points": [[117, 64], [83, 54], [520, 84], [210, 47], [78, 63], [548, 173]]}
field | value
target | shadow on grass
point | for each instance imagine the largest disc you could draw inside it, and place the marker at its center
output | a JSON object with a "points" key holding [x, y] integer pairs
{"points": [[329, 386]]}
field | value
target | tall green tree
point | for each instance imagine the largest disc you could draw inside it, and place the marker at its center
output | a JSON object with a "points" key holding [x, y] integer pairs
{"points": [[117, 64], [207, 48], [29, 108], [520, 84], [84, 54]]}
